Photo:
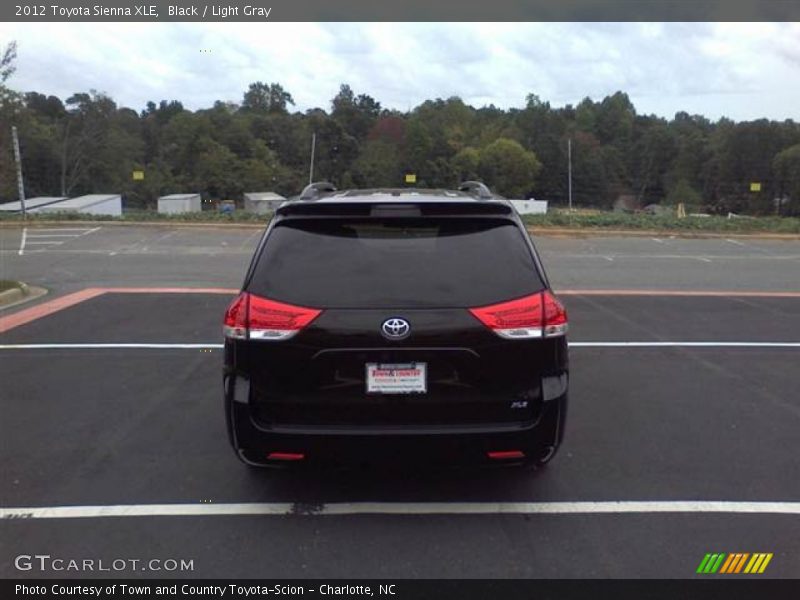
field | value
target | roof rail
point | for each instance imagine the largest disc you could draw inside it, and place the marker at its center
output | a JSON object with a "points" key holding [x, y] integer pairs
{"points": [[477, 189], [313, 190]]}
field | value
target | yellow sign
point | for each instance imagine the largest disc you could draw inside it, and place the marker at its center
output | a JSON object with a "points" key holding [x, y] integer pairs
{"points": [[138, 175], [755, 187], [411, 178]]}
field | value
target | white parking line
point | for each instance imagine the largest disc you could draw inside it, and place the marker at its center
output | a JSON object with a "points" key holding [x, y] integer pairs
{"points": [[66, 229], [400, 508], [704, 258], [123, 346], [46, 235], [107, 346], [49, 235], [684, 344]]}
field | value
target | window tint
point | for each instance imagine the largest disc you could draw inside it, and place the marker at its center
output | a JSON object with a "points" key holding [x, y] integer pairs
{"points": [[395, 262]]}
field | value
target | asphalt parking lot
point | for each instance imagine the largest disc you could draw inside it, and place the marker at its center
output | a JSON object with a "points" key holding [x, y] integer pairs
{"points": [[703, 409], [116, 255]]}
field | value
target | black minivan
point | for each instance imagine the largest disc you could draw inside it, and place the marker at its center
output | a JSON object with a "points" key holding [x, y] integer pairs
{"points": [[393, 324]]}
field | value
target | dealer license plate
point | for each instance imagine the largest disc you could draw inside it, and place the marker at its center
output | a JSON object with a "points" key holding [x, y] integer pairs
{"points": [[406, 378]]}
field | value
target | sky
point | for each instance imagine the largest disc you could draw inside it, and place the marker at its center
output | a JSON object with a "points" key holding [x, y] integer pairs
{"points": [[742, 71]]}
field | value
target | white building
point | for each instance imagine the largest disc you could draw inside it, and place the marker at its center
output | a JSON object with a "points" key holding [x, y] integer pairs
{"points": [[180, 203], [530, 207], [93, 204], [262, 202], [31, 203]]}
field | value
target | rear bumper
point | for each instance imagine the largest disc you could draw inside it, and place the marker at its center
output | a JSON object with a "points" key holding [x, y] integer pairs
{"points": [[357, 445]]}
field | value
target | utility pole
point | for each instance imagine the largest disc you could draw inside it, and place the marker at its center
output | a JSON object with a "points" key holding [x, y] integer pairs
{"points": [[569, 171], [18, 160], [313, 147]]}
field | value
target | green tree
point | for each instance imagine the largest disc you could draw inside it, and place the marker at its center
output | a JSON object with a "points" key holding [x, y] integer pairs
{"points": [[744, 153], [614, 120], [786, 168], [88, 143], [83, 138], [378, 165], [10, 105], [508, 168], [543, 130], [448, 122], [216, 171], [184, 137], [39, 120], [692, 150], [336, 149], [158, 181], [100, 144], [263, 97], [652, 152], [417, 150], [356, 114], [466, 163], [591, 185], [153, 120], [7, 61], [264, 171], [683, 192]]}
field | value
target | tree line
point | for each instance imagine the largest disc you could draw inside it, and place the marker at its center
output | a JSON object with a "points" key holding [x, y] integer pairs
{"points": [[87, 143]]}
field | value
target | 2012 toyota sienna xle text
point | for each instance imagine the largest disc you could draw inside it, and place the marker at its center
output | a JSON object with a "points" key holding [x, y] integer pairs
{"points": [[395, 323]]}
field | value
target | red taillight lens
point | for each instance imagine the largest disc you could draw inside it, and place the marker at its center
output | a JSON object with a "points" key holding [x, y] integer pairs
{"points": [[268, 319], [520, 314], [235, 323], [534, 316], [555, 316], [259, 318]]}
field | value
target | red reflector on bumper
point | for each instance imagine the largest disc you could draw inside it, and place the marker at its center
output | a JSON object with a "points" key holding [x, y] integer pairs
{"points": [[285, 456], [505, 454]]}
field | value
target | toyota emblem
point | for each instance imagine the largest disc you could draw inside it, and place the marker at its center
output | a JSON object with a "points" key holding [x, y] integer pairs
{"points": [[395, 328]]}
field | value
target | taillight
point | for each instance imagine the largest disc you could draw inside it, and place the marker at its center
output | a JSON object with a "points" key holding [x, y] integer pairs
{"points": [[256, 318], [534, 316], [235, 323], [555, 316], [271, 320]]}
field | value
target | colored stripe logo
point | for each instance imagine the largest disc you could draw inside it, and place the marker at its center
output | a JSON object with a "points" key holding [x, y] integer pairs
{"points": [[737, 562]]}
